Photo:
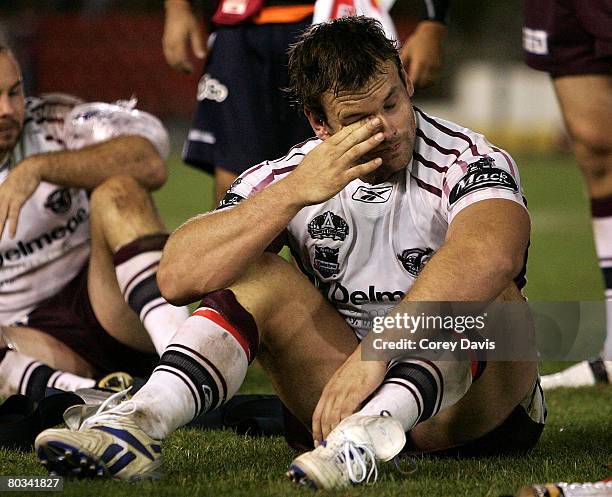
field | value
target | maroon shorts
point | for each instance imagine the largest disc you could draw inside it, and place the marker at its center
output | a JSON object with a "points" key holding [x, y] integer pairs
{"points": [[568, 37], [69, 317]]}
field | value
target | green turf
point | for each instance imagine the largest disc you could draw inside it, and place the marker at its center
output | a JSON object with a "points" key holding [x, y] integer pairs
{"points": [[576, 443]]}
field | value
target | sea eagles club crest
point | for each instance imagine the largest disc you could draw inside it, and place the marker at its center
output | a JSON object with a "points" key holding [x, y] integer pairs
{"points": [[59, 201], [328, 225], [415, 259]]}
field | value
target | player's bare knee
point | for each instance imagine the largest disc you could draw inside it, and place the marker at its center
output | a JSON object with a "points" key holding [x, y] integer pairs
{"points": [[118, 192]]}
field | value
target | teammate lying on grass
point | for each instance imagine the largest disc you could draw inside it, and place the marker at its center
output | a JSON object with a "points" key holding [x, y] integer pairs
{"points": [[80, 240], [385, 204]]}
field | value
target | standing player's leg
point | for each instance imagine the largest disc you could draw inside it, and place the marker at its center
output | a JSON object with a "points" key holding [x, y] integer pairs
{"points": [[586, 104], [127, 238]]}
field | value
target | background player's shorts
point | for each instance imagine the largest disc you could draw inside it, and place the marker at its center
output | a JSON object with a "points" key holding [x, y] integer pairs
{"points": [[568, 37], [243, 117], [69, 317]]}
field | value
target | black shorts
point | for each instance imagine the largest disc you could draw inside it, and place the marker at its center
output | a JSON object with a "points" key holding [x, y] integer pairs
{"points": [[69, 317], [243, 117], [568, 37]]}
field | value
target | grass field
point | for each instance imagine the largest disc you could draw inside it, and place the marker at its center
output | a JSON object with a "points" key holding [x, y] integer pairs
{"points": [[576, 444]]}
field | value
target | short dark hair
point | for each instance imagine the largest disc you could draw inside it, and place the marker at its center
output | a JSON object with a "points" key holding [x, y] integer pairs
{"points": [[343, 54]]}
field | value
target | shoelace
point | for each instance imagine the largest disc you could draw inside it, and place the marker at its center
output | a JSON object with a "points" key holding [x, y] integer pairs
{"points": [[105, 413], [360, 454]]}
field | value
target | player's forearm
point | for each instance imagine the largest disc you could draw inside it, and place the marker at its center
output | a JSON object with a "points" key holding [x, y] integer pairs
{"points": [[483, 252], [211, 251], [90, 166]]}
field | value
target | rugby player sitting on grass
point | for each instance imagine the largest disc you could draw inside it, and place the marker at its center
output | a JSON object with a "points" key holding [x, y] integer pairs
{"points": [[80, 240], [385, 203]]}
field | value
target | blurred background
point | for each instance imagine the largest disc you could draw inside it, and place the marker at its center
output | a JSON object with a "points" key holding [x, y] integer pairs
{"points": [[111, 49]]}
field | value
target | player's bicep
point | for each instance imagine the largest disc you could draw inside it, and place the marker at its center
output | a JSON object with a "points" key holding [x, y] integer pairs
{"points": [[492, 228]]}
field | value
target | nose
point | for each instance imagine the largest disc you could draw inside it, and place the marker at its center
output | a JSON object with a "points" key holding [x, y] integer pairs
{"points": [[6, 106], [388, 128]]}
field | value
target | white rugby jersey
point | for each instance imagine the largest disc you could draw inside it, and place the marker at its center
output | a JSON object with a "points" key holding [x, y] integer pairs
{"points": [[52, 240], [365, 247]]}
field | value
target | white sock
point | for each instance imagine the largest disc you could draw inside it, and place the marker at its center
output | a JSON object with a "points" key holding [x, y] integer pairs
{"points": [[200, 370], [602, 234], [415, 390]]}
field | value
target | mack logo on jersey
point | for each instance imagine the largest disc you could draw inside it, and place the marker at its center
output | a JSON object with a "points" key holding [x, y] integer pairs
{"points": [[482, 174], [373, 195], [59, 201], [326, 261], [415, 259], [25, 249], [328, 225], [341, 295], [229, 200]]}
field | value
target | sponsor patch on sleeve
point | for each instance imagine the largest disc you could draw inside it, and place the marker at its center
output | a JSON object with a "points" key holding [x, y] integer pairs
{"points": [[482, 174]]}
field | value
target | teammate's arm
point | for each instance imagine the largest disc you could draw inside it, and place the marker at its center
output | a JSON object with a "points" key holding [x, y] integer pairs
{"points": [[483, 252], [84, 168], [422, 52], [182, 32], [210, 251]]}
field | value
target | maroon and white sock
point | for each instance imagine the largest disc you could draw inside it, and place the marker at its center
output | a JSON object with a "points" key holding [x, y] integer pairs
{"points": [[202, 367], [136, 266], [27, 376], [415, 390]]}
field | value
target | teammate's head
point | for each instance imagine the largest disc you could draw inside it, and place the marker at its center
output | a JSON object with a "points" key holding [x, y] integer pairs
{"points": [[12, 101], [347, 69]]}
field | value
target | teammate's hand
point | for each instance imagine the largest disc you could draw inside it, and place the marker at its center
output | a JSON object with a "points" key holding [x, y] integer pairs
{"points": [[344, 393], [182, 32], [333, 164], [18, 187], [422, 53]]}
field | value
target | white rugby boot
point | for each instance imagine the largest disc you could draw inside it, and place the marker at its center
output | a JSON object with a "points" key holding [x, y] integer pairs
{"points": [[106, 444], [350, 453]]}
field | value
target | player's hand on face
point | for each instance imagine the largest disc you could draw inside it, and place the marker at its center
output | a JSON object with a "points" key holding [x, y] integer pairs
{"points": [[18, 187], [422, 53], [344, 393], [337, 161], [182, 33]]}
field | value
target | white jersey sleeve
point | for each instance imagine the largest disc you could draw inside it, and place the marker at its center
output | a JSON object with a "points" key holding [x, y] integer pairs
{"points": [[95, 122], [264, 174]]}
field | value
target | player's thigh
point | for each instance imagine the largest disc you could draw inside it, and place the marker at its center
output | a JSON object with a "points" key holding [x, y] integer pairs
{"points": [[586, 103], [303, 338], [46, 349]]}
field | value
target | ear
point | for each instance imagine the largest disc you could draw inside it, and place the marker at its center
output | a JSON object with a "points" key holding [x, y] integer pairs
{"points": [[318, 125], [407, 82]]}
